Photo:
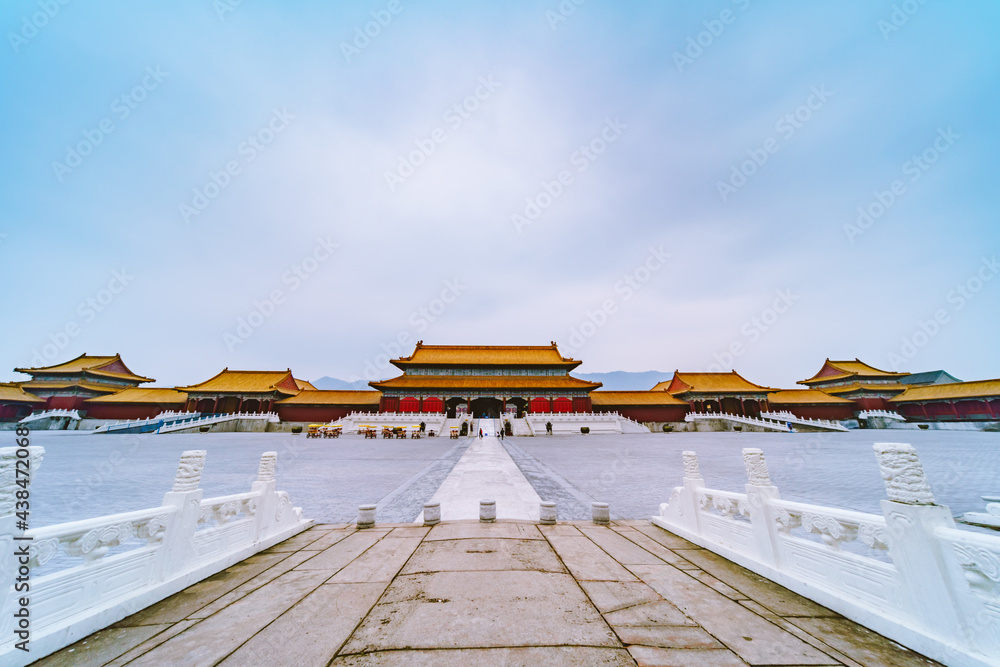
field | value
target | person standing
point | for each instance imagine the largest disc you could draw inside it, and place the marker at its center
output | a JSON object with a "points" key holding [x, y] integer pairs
{"points": [[480, 434]]}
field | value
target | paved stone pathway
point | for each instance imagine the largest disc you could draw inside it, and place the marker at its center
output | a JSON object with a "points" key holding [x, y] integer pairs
{"points": [[468, 593], [486, 470]]}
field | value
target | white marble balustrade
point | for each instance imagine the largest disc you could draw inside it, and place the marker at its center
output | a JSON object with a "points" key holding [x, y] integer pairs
{"points": [[121, 563], [918, 580]]}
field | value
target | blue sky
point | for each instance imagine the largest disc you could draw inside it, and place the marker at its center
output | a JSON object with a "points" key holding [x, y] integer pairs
{"points": [[651, 185]]}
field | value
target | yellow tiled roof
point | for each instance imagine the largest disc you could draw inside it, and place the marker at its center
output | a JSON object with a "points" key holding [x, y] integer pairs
{"points": [[143, 395], [485, 355], [634, 398], [805, 397], [333, 397], [512, 382], [731, 382], [846, 369], [13, 393], [950, 391], [304, 384], [259, 382], [88, 364]]}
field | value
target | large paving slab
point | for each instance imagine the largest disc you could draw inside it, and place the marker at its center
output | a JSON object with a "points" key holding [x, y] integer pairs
{"points": [[469, 593]]}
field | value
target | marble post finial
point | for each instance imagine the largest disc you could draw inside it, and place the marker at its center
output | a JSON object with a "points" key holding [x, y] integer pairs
{"points": [[903, 474], [268, 464], [756, 466], [188, 476], [691, 469]]}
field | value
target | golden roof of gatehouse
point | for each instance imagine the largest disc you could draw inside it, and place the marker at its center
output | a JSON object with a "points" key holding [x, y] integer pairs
{"points": [[247, 382], [486, 355], [710, 383]]}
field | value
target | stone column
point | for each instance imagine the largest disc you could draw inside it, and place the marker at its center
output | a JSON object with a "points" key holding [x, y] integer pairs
{"points": [[178, 543], [487, 511], [366, 516], [759, 492], [547, 513], [912, 516], [432, 514], [601, 513]]}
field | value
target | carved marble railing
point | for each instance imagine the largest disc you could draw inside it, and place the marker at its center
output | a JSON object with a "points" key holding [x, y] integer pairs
{"points": [[50, 414], [884, 414], [113, 566], [908, 573], [786, 416], [739, 419], [208, 420]]}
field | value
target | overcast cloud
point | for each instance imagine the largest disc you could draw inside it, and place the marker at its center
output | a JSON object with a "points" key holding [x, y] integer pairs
{"points": [[500, 226]]}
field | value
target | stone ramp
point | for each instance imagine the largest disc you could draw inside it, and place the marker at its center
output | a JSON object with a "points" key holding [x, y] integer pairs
{"points": [[469, 593]]}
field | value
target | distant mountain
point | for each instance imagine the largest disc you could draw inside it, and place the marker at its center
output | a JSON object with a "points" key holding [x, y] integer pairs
{"points": [[626, 380], [613, 381], [327, 382]]}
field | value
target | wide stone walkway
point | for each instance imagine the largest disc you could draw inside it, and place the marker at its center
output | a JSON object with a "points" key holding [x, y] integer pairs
{"points": [[470, 593]]}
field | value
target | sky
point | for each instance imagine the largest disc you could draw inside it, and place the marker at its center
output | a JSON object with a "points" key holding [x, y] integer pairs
{"points": [[652, 185]]}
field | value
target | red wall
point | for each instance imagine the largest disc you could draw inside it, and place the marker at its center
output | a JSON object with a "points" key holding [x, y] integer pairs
{"points": [[123, 411], [831, 412], [66, 402], [319, 414]]}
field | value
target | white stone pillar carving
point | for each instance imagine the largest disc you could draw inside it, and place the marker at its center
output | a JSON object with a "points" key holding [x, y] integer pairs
{"points": [[8, 527], [178, 541], [911, 518], [267, 504], [760, 492]]}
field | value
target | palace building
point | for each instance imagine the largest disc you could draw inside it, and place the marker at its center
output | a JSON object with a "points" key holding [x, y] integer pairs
{"points": [[490, 380], [869, 387], [485, 381], [956, 401], [243, 391], [717, 392], [68, 385]]}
